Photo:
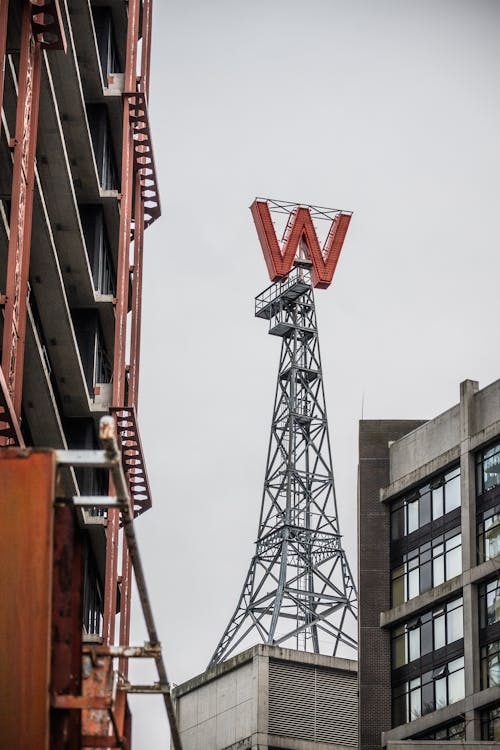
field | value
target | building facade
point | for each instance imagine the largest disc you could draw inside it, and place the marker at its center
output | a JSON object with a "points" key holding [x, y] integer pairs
{"points": [[429, 578], [77, 191], [267, 698]]}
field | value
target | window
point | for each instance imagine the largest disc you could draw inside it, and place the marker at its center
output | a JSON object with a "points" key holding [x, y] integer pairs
{"points": [[96, 363], [488, 533], [98, 249], [490, 665], [428, 692], [488, 469], [425, 504], [489, 603], [455, 731], [427, 566], [108, 55], [490, 724], [103, 147], [92, 594], [426, 633]]}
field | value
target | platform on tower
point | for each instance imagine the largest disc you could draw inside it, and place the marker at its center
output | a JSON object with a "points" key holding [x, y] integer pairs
{"points": [[289, 289]]}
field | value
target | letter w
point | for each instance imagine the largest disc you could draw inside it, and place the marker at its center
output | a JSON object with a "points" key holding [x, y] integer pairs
{"points": [[301, 229]]}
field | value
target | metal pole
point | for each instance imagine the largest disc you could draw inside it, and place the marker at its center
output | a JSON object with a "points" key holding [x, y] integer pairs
{"points": [[108, 440]]}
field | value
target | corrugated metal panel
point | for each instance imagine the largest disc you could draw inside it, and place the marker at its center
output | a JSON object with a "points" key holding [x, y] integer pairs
{"points": [[312, 703]]}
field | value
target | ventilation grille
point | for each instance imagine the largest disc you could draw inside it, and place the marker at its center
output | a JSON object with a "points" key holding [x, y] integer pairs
{"points": [[313, 703]]}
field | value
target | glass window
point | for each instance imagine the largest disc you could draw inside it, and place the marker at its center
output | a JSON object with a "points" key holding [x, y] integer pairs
{"points": [[490, 664], [456, 684], [425, 504], [453, 557], [490, 724], [424, 568], [488, 533], [455, 731], [489, 602], [430, 691], [452, 491], [440, 631], [488, 468], [437, 501], [427, 633]]}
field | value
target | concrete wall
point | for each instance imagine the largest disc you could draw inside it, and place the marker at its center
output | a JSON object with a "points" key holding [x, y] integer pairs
{"points": [[424, 444], [221, 712]]}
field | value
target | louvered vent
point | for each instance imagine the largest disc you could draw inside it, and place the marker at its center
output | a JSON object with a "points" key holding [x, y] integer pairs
{"points": [[312, 703]]}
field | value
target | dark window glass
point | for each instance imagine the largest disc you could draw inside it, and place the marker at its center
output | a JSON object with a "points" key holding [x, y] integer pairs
{"points": [[92, 594], [488, 533], [108, 54], [96, 363], [490, 665], [425, 504], [103, 147], [427, 633], [98, 249], [427, 566], [455, 731], [428, 692], [490, 724], [489, 602], [488, 468]]}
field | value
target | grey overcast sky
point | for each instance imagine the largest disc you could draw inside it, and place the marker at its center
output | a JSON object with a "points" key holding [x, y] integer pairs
{"points": [[390, 109]]}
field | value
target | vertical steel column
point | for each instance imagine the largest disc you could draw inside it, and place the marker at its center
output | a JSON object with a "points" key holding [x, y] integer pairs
{"points": [[147, 15], [135, 337], [119, 370], [4, 16], [21, 210]]}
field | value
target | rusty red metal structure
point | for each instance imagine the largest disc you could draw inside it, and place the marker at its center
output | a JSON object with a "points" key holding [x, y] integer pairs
{"points": [[78, 189], [300, 235]]}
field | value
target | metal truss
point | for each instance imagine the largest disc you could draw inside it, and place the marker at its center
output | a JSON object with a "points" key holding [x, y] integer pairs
{"points": [[299, 591], [289, 207]]}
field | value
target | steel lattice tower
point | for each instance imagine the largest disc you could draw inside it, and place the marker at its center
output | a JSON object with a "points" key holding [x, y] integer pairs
{"points": [[299, 591]]}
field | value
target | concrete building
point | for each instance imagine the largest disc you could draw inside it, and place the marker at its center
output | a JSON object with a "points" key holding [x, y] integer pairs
{"points": [[429, 580], [268, 698]]}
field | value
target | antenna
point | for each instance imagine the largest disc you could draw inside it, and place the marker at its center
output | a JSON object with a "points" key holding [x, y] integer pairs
{"points": [[299, 591]]}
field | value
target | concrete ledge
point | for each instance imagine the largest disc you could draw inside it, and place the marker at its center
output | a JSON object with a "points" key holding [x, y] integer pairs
{"points": [[422, 744], [442, 592], [271, 652], [424, 601], [421, 474]]}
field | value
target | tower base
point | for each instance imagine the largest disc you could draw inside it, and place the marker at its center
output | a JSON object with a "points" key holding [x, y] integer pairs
{"points": [[268, 698]]}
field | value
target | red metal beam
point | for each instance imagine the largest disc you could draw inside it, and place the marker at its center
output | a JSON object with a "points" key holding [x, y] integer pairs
{"points": [[135, 336], [147, 17], [26, 520], [24, 144], [10, 431], [122, 288], [4, 15]]}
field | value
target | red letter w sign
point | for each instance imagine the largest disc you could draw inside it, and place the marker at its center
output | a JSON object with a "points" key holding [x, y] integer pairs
{"points": [[300, 232]]}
